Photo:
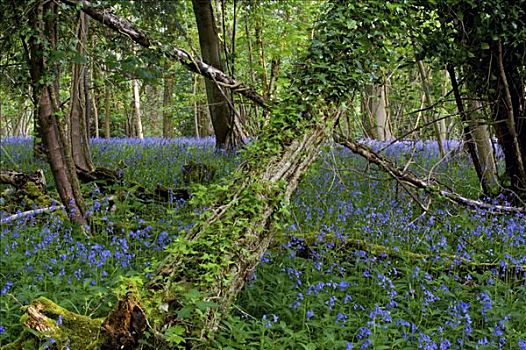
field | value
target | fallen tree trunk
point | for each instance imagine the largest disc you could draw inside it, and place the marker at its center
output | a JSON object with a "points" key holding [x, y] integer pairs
{"points": [[196, 284], [21, 180], [429, 186]]}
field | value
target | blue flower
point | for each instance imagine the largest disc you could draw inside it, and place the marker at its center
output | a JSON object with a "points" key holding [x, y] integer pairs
{"points": [[363, 332], [6, 288]]}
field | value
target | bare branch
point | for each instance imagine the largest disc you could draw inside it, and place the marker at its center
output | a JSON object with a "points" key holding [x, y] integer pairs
{"points": [[430, 187]]}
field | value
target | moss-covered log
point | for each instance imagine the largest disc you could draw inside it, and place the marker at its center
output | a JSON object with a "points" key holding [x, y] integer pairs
{"points": [[51, 324]]}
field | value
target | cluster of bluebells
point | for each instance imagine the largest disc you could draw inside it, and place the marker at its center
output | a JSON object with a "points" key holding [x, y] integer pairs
{"points": [[374, 296], [354, 278]]}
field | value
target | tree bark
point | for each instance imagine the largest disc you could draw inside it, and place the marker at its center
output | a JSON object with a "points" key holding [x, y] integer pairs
{"points": [[80, 107], [43, 23], [219, 106], [467, 134], [509, 111], [136, 114], [376, 115], [107, 133], [482, 139], [167, 107], [440, 126]]}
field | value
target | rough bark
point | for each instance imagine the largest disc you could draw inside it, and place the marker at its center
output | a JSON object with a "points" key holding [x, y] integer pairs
{"points": [[80, 107], [20, 180], [42, 20], [123, 26]]}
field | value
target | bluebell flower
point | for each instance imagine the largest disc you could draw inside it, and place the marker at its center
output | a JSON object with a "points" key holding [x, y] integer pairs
{"points": [[445, 344], [341, 318], [363, 332], [6, 288], [367, 343]]}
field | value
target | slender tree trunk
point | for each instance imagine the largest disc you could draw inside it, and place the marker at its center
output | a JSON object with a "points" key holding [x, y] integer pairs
{"points": [[107, 133], [80, 107], [95, 95], [468, 137], [481, 137], [440, 126], [376, 118], [136, 118], [509, 112], [222, 116], [167, 107]]}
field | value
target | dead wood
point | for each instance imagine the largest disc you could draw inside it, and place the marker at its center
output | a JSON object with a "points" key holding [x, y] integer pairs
{"points": [[431, 187], [21, 180], [30, 213]]}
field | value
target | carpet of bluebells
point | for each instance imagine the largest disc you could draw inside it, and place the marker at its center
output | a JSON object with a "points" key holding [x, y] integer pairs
{"points": [[361, 265]]}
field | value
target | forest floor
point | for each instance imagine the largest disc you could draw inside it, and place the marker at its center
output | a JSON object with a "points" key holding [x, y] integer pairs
{"points": [[363, 262]]}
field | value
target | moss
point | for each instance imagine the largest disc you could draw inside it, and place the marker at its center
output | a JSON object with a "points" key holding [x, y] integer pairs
{"points": [[76, 331]]}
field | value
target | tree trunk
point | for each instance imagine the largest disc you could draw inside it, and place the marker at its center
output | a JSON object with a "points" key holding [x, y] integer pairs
{"points": [[43, 23], [509, 113], [482, 139], [136, 116], [80, 107], [467, 133], [94, 100], [219, 106], [439, 126], [376, 117], [167, 107], [107, 133]]}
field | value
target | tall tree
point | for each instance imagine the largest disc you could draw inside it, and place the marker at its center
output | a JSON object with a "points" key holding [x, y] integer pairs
{"points": [[220, 108], [43, 21]]}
